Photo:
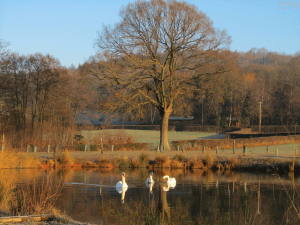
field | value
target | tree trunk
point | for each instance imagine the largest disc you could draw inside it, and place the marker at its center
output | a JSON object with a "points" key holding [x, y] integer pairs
{"points": [[164, 139]]}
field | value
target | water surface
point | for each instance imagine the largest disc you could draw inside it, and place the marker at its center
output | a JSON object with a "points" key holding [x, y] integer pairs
{"points": [[198, 198]]}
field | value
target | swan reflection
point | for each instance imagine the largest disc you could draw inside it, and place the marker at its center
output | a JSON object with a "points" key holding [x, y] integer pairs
{"points": [[150, 185], [122, 190]]}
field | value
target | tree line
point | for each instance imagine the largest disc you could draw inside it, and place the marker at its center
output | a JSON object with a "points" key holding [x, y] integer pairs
{"points": [[163, 58], [39, 98]]}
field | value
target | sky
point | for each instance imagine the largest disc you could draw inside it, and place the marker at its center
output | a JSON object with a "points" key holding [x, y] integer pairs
{"points": [[67, 29]]}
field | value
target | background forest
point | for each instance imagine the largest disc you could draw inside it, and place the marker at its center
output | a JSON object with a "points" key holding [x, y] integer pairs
{"points": [[40, 99]]}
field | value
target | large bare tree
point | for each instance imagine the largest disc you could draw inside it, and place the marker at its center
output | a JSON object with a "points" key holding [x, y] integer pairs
{"points": [[157, 53]]}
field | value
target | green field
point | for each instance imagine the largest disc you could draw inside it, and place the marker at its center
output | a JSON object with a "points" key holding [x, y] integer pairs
{"points": [[151, 137]]}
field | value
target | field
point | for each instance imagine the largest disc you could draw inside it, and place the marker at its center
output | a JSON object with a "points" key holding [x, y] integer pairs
{"points": [[151, 137]]}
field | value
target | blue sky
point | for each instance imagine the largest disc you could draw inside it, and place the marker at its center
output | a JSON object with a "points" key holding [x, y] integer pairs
{"points": [[67, 29]]}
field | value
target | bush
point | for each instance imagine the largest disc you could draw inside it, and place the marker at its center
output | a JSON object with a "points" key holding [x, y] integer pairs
{"points": [[196, 163], [121, 162], [65, 158], [144, 159], [162, 162], [180, 158], [208, 161]]}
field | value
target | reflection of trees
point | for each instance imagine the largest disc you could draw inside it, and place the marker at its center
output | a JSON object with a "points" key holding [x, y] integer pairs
{"points": [[162, 206], [204, 202]]}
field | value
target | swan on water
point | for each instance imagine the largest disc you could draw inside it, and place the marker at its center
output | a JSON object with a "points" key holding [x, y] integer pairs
{"points": [[122, 183], [150, 179], [171, 180]]}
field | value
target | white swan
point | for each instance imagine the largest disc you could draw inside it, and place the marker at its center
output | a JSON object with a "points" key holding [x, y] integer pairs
{"points": [[150, 179], [122, 184], [171, 180]]}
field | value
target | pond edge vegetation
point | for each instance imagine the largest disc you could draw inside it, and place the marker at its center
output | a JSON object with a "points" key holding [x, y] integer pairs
{"points": [[207, 161]]}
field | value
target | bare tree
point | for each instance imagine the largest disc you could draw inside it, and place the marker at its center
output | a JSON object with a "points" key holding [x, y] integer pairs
{"points": [[157, 53]]}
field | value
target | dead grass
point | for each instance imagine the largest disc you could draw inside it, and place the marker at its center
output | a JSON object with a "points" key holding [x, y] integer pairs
{"points": [[14, 160], [34, 197]]}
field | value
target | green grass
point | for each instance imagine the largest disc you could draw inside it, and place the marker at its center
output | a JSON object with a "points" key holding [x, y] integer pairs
{"points": [[150, 137]]}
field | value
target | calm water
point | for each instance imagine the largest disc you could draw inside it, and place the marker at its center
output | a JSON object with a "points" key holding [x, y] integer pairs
{"points": [[198, 197]]}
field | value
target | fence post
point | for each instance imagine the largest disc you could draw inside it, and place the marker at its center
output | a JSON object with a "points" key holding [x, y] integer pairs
{"points": [[89, 147], [182, 148], [48, 149], [233, 150], [157, 150], [217, 148], [35, 148], [178, 148], [112, 148], [85, 147], [203, 148], [244, 149], [28, 148], [3, 144], [101, 146]]}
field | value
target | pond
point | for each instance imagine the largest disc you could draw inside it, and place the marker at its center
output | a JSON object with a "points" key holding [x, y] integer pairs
{"points": [[198, 197]]}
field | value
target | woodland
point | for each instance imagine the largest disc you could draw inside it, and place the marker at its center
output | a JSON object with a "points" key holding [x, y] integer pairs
{"points": [[40, 99], [38, 95]]}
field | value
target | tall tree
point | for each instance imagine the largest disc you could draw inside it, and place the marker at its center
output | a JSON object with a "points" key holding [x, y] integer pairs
{"points": [[157, 53]]}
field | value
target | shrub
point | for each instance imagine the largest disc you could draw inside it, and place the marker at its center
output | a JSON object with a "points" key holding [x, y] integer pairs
{"points": [[196, 163], [35, 199], [176, 164], [65, 158], [208, 161], [180, 158], [144, 159], [104, 163], [162, 161], [135, 163], [121, 162]]}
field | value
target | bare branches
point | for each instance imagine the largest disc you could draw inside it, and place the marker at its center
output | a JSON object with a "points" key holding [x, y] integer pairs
{"points": [[158, 49]]}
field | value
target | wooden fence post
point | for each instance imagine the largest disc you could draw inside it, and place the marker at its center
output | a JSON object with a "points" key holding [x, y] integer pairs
{"points": [[28, 148], [85, 147], [48, 149], [35, 148], [217, 148], [203, 149], [244, 149], [178, 148], [101, 146], [112, 148], [233, 150], [182, 148]]}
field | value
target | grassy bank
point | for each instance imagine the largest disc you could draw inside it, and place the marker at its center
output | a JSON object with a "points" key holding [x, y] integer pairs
{"points": [[152, 160]]}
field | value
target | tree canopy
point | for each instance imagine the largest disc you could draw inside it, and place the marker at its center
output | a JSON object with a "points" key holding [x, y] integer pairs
{"points": [[158, 53]]}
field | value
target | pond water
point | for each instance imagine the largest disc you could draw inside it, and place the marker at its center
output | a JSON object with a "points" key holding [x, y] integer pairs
{"points": [[199, 197]]}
